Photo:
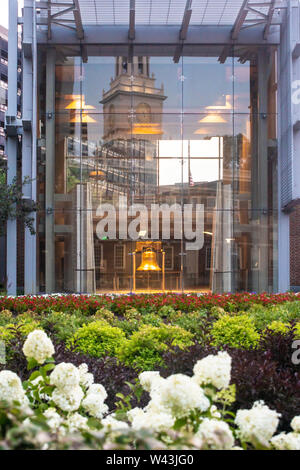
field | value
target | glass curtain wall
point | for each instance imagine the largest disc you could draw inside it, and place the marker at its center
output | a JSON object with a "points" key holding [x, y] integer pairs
{"points": [[163, 170]]}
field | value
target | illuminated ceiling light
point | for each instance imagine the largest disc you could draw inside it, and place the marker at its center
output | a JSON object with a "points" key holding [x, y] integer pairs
{"points": [[202, 131], [97, 173], [84, 118], [78, 102], [149, 128], [213, 119], [227, 105]]}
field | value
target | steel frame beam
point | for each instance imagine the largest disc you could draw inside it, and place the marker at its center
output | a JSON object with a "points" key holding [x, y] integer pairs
{"points": [[242, 22], [58, 19], [185, 20], [131, 32]]}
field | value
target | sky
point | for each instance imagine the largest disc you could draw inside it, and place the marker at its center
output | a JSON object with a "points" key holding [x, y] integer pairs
{"points": [[4, 11]]}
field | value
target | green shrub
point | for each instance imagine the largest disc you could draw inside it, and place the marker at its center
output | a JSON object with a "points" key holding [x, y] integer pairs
{"points": [[26, 326], [97, 339], [193, 322], [132, 314], [297, 330], [64, 325], [263, 316], [166, 311], [145, 347], [105, 314], [278, 327], [237, 331], [5, 317], [128, 326], [7, 333], [152, 319]]}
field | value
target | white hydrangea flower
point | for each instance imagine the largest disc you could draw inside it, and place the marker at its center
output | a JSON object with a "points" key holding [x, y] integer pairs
{"points": [[150, 419], [86, 378], [214, 412], [215, 434], [54, 420], [94, 404], [257, 425], [38, 346], [110, 423], [135, 413], [150, 379], [295, 424], [97, 389], [213, 370], [68, 399], [65, 376], [11, 389], [179, 395], [290, 441], [76, 422]]}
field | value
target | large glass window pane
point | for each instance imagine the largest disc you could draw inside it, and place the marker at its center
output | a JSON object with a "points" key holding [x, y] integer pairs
{"points": [[207, 81]]}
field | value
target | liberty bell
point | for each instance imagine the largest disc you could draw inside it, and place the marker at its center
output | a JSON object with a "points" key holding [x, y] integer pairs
{"points": [[149, 262]]}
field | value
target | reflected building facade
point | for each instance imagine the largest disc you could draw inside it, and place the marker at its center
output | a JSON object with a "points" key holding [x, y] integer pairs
{"points": [[149, 131]]}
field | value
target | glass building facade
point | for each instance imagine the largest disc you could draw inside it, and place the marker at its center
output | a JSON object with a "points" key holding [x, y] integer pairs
{"points": [[143, 155]]}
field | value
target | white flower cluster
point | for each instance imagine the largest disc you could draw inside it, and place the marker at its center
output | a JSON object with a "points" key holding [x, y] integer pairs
{"points": [[179, 395], [11, 389], [65, 376], [171, 398], [151, 418], [76, 422], [213, 370], [93, 403], [290, 441], [215, 435], [295, 424], [149, 380], [257, 425], [110, 423], [38, 346], [54, 420], [68, 394], [86, 378]]}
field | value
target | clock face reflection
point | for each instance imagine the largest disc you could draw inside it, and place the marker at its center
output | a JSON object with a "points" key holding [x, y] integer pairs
{"points": [[143, 113]]}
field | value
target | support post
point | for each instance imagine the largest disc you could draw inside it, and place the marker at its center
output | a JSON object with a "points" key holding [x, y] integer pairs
{"points": [[163, 270], [11, 245], [133, 271], [50, 170], [29, 143], [260, 220]]}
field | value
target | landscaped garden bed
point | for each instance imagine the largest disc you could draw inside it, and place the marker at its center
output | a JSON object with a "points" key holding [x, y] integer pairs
{"points": [[216, 357]]}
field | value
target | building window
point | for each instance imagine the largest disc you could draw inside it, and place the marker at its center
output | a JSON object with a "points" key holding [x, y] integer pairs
{"points": [[99, 259], [119, 257], [208, 257], [169, 258]]}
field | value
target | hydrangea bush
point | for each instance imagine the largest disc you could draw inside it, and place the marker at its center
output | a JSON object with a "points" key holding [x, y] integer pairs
{"points": [[61, 407]]}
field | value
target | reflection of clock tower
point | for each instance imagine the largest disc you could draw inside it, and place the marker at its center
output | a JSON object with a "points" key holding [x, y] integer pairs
{"points": [[132, 106]]}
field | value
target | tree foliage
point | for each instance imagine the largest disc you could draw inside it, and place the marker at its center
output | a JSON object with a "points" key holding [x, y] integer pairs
{"points": [[13, 205]]}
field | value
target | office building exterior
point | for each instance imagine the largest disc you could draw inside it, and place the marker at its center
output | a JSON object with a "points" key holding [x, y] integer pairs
{"points": [[3, 109], [162, 140]]}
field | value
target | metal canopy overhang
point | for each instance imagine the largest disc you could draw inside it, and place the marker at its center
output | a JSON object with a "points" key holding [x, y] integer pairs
{"points": [[165, 22], [106, 35]]}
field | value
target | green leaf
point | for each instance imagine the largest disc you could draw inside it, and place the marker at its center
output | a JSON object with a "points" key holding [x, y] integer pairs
{"points": [[31, 363], [34, 375]]}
